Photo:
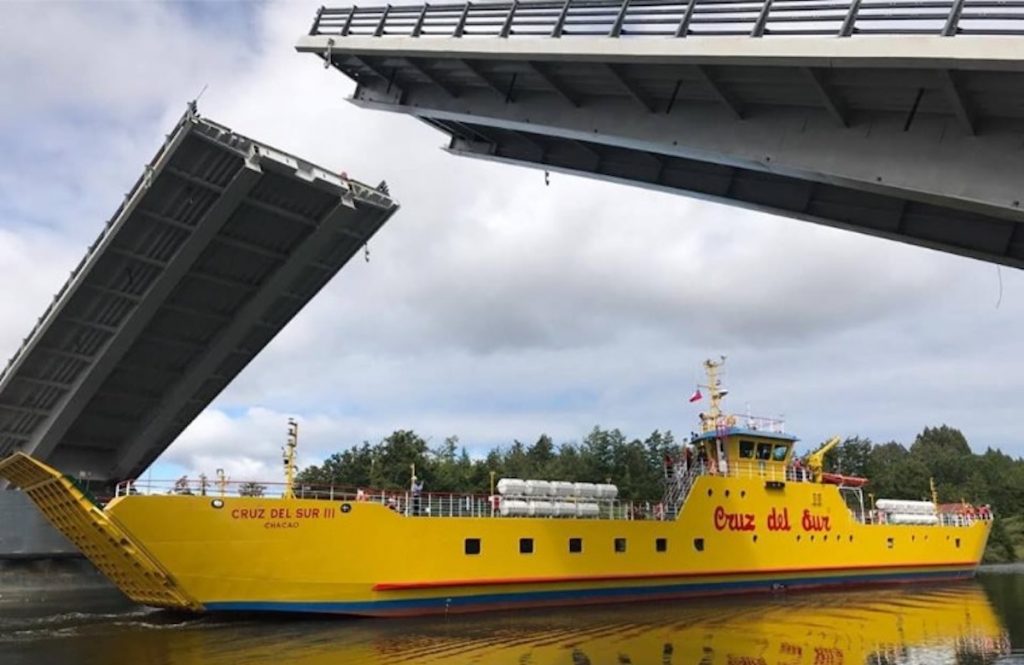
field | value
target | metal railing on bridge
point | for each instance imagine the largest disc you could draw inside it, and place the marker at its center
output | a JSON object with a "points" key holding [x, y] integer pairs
{"points": [[675, 18]]}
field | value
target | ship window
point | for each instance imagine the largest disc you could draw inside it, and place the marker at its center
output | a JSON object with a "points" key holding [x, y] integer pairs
{"points": [[698, 544], [576, 545], [472, 546], [747, 449], [661, 544], [958, 542], [780, 451], [889, 542], [620, 545], [764, 451], [526, 545]]}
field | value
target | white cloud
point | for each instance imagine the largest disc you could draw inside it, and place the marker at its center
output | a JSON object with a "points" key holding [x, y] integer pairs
{"points": [[493, 307]]}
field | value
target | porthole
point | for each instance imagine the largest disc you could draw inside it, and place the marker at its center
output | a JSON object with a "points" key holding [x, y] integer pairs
{"points": [[812, 537], [346, 507], [710, 492], [755, 537], [620, 545], [727, 493], [958, 542], [217, 503], [660, 544], [825, 537], [798, 537], [472, 546], [743, 493], [698, 544], [890, 543], [526, 545]]}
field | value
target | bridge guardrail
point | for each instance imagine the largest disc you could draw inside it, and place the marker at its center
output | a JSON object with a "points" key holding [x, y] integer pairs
{"points": [[675, 18]]}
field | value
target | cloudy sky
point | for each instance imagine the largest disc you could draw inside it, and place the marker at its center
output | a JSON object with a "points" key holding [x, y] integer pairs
{"points": [[493, 307]]}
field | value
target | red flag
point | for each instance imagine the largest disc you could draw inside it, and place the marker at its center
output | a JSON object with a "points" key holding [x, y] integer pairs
{"points": [[696, 396]]}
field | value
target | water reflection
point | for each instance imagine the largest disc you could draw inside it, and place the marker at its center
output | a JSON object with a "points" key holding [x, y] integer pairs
{"points": [[942, 625]]}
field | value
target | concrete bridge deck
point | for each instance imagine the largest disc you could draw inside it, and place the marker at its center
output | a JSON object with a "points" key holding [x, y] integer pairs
{"points": [[217, 246], [903, 120]]}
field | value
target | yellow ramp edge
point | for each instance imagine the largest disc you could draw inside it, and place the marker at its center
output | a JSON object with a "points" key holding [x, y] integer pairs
{"points": [[103, 542]]}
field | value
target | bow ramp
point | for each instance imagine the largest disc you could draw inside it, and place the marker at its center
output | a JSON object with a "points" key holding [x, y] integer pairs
{"points": [[99, 538]]}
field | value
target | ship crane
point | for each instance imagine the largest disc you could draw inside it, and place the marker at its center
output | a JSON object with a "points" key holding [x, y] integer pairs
{"points": [[816, 460]]}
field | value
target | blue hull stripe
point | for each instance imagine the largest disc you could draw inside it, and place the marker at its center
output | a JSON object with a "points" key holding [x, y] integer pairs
{"points": [[568, 596]]}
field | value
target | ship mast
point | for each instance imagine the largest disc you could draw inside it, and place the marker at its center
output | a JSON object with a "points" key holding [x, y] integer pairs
{"points": [[709, 420], [288, 452]]}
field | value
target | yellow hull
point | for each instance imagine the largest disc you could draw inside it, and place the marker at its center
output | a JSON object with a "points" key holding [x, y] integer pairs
{"points": [[734, 535]]}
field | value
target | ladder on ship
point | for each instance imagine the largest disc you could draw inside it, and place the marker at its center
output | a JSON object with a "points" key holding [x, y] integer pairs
{"points": [[677, 488]]}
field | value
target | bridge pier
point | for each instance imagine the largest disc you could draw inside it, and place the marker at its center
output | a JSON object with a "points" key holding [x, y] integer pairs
{"points": [[25, 533]]}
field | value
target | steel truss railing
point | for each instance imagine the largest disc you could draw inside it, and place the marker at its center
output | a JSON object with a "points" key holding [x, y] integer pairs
{"points": [[675, 18]]}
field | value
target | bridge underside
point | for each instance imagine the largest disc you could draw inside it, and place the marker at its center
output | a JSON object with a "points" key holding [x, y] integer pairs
{"points": [[912, 138], [220, 243]]}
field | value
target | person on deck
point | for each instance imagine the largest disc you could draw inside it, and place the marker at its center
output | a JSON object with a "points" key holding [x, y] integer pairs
{"points": [[417, 490]]}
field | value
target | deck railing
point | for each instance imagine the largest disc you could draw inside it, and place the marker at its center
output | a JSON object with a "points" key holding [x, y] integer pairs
{"points": [[404, 502], [675, 18], [454, 504]]}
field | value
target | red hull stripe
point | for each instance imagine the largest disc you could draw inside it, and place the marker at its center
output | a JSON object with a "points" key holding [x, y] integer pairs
{"points": [[445, 584]]}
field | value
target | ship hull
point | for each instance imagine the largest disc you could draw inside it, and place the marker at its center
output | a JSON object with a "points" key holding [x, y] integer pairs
{"points": [[732, 536], [471, 602]]}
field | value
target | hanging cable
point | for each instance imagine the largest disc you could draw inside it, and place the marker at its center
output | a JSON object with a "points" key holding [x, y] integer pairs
{"points": [[999, 274]]}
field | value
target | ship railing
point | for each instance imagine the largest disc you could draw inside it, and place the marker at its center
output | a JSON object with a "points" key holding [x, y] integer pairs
{"points": [[727, 421], [758, 469], [211, 487], [403, 502]]}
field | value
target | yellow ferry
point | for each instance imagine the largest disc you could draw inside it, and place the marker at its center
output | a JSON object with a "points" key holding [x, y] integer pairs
{"points": [[741, 514]]}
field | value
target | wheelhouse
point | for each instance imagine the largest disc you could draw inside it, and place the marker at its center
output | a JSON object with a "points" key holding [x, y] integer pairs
{"points": [[744, 449]]}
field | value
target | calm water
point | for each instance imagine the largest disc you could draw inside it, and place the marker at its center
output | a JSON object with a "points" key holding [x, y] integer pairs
{"points": [[975, 622]]}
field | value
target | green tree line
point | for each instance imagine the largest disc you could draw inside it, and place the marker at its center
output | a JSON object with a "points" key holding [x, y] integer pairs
{"points": [[636, 466]]}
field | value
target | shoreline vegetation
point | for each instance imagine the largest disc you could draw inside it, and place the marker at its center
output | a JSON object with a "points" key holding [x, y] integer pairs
{"points": [[635, 465]]}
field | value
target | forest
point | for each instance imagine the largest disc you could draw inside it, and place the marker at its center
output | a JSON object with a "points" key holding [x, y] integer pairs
{"points": [[895, 470]]}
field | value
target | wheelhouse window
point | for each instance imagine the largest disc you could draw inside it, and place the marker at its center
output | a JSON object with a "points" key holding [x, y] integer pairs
{"points": [[526, 545], [746, 449], [620, 545], [779, 452], [472, 546], [764, 451], [575, 545]]}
